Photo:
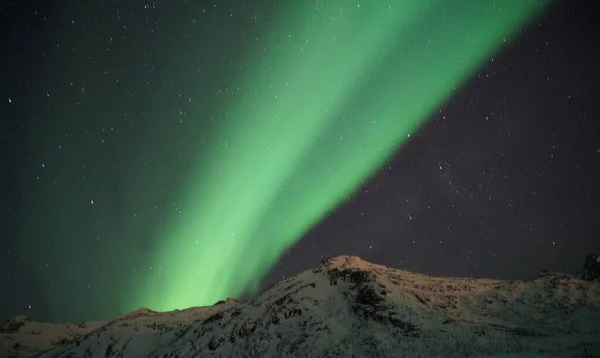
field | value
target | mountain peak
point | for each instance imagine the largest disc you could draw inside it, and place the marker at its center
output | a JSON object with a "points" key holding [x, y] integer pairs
{"points": [[345, 262], [345, 307], [140, 312]]}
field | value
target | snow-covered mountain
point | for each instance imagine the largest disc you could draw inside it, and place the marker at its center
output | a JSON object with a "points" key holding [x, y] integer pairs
{"points": [[346, 307]]}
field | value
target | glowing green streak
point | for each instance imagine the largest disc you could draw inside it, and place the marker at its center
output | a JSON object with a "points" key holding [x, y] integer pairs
{"points": [[290, 151]]}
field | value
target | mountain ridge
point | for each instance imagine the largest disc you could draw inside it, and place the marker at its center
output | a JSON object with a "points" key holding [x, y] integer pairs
{"points": [[345, 306]]}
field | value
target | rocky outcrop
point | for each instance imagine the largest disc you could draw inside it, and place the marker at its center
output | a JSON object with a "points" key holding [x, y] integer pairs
{"points": [[591, 268]]}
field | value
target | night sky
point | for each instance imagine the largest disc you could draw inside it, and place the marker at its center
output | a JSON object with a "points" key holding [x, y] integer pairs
{"points": [[174, 153]]}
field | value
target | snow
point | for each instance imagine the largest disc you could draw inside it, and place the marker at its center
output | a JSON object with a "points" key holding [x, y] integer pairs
{"points": [[346, 307]]}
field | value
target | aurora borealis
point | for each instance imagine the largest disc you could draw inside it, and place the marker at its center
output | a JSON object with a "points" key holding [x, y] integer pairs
{"points": [[173, 154], [293, 146]]}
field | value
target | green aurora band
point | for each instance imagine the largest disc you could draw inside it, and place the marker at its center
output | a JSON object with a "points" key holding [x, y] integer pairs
{"points": [[297, 144]]}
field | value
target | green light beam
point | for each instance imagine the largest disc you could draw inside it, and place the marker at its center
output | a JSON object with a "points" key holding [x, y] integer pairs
{"points": [[335, 93]]}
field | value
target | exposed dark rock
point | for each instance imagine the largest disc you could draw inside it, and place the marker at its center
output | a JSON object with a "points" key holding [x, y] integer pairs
{"points": [[591, 268], [228, 300]]}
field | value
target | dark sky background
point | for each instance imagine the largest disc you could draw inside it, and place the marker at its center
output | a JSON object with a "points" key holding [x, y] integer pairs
{"points": [[501, 182]]}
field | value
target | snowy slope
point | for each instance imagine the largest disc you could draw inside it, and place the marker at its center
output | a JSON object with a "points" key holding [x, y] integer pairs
{"points": [[346, 307]]}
